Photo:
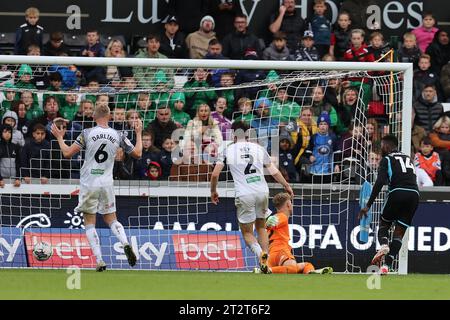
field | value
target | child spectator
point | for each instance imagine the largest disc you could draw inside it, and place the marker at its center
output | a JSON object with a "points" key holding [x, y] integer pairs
{"points": [[378, 48], [55, 80], [126, 96], [55, 45], [277, 49], [409, 51], [245, 113], [93, 48], [321, 28], [424, 76], [440, 138], [321, 150], [33, 50], [177, 102], [29, 33], [307, 51], [10, 154], [93, 87], [227, 80], [166, 160], [319, 106], [69, 107], [154, 171], [373, 133], [429, 161], [284, 108], [144, 104], [341, 36], [84, 115], [33, 109], [149, 154], [22, 122], [9, 94], [10, 118], [219, 116], [160, 97], [25, 76], [35, 156], [286, 158], [425, 33]]}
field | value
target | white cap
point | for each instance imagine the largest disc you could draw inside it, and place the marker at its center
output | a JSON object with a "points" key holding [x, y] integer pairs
{"points": [[208, 18]]}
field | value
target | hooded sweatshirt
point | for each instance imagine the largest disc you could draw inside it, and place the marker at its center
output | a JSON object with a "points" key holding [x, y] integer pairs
{"points": [[9, 156], [17, 136]]}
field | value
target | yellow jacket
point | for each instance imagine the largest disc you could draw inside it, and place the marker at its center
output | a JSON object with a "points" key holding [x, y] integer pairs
{"points": [[306, 134]]}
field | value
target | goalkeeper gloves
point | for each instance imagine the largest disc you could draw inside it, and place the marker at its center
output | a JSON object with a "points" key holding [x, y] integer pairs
{"points": [[272, 221]]}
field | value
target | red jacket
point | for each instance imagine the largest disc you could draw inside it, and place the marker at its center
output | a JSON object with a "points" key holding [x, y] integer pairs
{"points": [[359, 55]]}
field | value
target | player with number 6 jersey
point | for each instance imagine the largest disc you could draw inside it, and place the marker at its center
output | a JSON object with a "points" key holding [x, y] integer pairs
{"points": [[96, 181]]}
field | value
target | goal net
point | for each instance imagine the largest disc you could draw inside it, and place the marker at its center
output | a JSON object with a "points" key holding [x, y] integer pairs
{"points": [[163, 199]]}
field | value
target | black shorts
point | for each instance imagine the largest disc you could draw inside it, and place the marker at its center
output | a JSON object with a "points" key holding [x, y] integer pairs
{"points": [[401, 206]]}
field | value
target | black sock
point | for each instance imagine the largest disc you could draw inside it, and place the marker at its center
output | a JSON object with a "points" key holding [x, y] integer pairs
{"points": [[383, 233], [394, 248]]}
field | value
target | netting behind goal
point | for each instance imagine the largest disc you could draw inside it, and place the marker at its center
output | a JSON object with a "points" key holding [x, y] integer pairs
{"points": [[164, 201]]}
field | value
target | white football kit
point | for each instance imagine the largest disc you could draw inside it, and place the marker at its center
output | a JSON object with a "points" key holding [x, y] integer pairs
{"points": [[246, 161], [96, 176]]}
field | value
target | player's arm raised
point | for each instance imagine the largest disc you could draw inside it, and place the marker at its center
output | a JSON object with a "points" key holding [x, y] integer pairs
{"points": [[214, 180], [67, 151], [279, 178], [137, 151]]}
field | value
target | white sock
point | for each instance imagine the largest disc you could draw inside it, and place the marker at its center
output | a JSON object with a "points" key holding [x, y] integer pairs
{"points": [[94, 241], [119, 232], [256, 249]]}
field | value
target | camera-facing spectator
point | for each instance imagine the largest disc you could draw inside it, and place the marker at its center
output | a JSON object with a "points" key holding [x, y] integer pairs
{"points": [[198, 41], [425, 33], [35, 156], [306, 51], [29, 33], [409, 52], [424, 76], [427, 108], [10, 153], [162, 126], [10, 118], [341, 36], [277, 49], [173, 41], [321, 27], [289, 21]]}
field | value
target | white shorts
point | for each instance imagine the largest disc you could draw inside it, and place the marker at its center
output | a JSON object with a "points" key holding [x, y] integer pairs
{"points": [[252, 207], [96, 200]]}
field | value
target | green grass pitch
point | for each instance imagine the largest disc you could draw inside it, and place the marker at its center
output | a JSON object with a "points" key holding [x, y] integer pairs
{"points": [[51, 284]]}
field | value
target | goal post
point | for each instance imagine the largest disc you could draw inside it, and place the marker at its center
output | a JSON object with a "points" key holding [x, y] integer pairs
{"points": [[322, 210]]}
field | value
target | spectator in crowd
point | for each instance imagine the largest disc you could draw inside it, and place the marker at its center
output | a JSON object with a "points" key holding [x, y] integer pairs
{"points": [[114, 74], [265, 126], [162, 126], [22, 122], [340, 40], [84, 116], [427, 108], [166, 157], [440, 139], [378, 47], [51, 112], [307, 51], [301, 132], [161, 82], [131, 117], [439, 51], [236, 43], [351, 143], [29, 33], [358, 10], [149, 154], [196, 98], [223, 12], [346, 110], [146, 109], [219, 115], [173, 41], [127, 96], [373, 132], [123, 166], [94, 48], [227, 81], [290, 22], [286, 158], [429, 161], [55, 80], [55, 45], [10, 154], [119, 114], [177, 103], [424, 76], [154, 171], [9, 96], [249, 75], [10, 118], [35, 156], [25, 75], [417, 134], [202, 137], [33, 50], [319, 106], [409, 52], [215, 52], [445, 81], [245, 113], [322, 146], [425, 33], [277, 49], [321, 27], [145, 75], [198, 41], [70, 106], [284, 108], [33, 109]]}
